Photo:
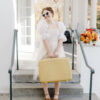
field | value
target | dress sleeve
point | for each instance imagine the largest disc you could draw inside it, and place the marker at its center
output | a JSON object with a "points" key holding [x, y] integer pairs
{"points": [[62, 30], [42, 30]]}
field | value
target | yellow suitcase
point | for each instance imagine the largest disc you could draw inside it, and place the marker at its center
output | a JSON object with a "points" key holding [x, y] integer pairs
{"points": [[54, 70]]}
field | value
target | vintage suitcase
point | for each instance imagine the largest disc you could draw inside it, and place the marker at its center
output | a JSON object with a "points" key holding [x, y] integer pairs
{"points": [[54, 70]]}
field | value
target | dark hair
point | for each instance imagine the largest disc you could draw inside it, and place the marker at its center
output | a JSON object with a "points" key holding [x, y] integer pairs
{"points": [[49, 9]]}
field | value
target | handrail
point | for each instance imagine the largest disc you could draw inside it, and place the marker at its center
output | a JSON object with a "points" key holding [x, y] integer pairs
{"points": [[84, 56], [73, 49], [15, 43], [85, 59]]}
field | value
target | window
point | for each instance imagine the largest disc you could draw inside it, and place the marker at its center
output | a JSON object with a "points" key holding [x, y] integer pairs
{"points": [[26, 32]]}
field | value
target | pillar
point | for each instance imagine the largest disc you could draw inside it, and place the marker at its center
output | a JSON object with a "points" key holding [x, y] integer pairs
{"points": [[66, 13], [74, 19], [93, 13], [83, 15]]}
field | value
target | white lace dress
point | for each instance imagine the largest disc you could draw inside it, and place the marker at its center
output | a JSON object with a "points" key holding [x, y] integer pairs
{"points": [[52, 36]]}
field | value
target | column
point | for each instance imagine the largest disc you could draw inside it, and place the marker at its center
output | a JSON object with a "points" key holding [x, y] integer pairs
{"points": [[93, 13], [83, 15], [74, 18], [66, 13]]}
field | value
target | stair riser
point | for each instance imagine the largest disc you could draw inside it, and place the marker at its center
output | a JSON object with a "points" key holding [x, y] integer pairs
{"points": [[29, 78], [39, 92]]}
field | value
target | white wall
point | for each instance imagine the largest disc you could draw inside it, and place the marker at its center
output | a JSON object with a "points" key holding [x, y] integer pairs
{"points": [[93, 57], [6, 32]]}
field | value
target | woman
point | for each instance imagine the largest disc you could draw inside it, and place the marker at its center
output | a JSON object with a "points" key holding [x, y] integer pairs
{"points": [[52, 35]]}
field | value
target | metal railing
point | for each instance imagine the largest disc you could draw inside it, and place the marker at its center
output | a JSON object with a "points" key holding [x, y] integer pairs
{"points": [[73, 49], [75, 32], [15, 43]]}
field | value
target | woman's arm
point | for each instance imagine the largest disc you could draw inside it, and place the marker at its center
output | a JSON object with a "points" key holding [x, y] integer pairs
{"points": [[61, 37], [42, 30], [59, 45], [47, 47]]}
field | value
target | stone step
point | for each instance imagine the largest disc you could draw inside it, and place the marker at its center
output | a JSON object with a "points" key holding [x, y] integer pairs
{"points": [[26, 75], [83, 97], [68, 48], [36, 89], [27, 63], [30, 63], [70, 55]]}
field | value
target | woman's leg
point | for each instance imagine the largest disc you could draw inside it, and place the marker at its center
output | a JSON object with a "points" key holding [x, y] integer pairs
{"points": [[57, 87], [45, 88]]}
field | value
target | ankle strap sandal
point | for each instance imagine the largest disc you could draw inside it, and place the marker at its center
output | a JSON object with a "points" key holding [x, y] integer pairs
{"points": [[47, 98], [57, 94]]}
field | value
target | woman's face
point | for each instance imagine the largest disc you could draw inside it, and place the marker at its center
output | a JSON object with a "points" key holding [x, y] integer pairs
{"points": [[47, 15]]}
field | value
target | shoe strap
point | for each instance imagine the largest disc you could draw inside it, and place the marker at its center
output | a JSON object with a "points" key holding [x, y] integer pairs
{"points": [[56, 93], [46, 93]]}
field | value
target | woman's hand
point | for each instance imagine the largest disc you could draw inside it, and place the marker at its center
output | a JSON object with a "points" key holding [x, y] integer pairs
{"points": [[50, 55], [55, 54]]}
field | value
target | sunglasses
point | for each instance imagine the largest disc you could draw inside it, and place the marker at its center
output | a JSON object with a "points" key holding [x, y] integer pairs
{"points": [[46, 14]]}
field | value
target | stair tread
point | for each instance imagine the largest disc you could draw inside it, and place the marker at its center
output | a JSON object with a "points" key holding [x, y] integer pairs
{"points": [[26, 75], [30, 72], [36, 89], [50, 85], [83, 97]]}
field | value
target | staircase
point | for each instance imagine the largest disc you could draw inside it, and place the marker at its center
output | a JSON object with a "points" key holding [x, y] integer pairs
{"points": [[24, 88], [23, 84]]}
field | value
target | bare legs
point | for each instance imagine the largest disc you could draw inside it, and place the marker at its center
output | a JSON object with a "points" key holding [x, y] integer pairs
{"points": [[57, 86], [45, 88], [46, 92]]}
